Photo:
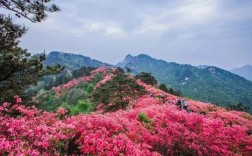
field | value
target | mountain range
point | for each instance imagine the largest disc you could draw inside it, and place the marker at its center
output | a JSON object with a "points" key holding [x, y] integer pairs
{"points": [[208, 83], [245, 71]]}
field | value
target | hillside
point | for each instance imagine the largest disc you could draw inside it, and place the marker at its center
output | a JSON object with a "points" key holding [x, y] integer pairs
{"points": [[210, 84], [75, 66], [245, 71], [146, 126], [71, 61]]}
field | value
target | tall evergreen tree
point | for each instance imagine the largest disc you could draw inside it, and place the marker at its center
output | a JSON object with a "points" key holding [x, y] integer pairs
{"points": [[117, 91], [163, 88], [147, 78], [18, 68]]}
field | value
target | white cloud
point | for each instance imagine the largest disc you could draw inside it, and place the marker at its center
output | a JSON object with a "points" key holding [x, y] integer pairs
{"points": [[171, 29], [108, 28], [187, 14], [152, 26], [198, 11]]}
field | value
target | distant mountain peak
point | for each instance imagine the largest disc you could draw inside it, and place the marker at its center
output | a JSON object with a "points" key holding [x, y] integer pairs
{"points": [[71, 61], [144, 56], [212, 84], [128, 56], [202, 66], [244, 71]]}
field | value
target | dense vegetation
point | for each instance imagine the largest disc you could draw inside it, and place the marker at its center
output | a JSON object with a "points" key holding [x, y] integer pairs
{"points": [[63, 77], [18, 68], [104, 111], [210, 84], [163, 87], [117, 92], [71, 61], [147, 127], [73, 96], [147, 78]]}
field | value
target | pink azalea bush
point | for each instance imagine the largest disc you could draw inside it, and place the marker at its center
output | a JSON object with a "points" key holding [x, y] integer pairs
{"points": [[166, 130], [104, 71], [28, 131]]}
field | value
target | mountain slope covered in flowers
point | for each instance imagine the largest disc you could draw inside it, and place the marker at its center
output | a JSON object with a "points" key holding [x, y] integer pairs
{"points": [[150, 125]]}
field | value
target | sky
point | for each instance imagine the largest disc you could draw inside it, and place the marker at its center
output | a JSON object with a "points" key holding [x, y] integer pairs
{"points": [[197, 32]]}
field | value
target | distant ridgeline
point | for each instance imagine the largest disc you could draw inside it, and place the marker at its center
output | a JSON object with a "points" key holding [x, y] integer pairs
{"points": [[71, 61], [209, 84], [245, 71]]}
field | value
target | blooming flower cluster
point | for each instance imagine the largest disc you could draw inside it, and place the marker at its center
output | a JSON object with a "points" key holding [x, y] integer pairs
{"points": [[28, 131], [70, 84], [169, 130], [18, 99]]}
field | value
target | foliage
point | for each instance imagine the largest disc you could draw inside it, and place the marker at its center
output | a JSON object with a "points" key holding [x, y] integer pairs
{"points": [[172, 132], [210, 84], [62, 78], [144, 118], [18, 68], [68, 95], [71, 61], [147, 78], [239, 107], [35, 11], [82, 106], [90, 88], [148, 127], [117, 91], [83, 71], [47, 100], [163, 87], [97, 78]]}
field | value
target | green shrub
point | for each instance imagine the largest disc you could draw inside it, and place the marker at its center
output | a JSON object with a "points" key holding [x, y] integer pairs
{"points": [[144, 118], [83, 107], [90, 88]]}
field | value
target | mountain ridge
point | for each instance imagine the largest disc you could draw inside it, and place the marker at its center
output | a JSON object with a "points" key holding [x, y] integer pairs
{"points": [[244, 71], [211, 84], [71, 61]]}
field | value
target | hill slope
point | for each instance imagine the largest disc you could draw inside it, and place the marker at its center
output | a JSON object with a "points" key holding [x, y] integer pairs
{"points": [[71, 61], [210, 84], [245, 71], [148, 126]]}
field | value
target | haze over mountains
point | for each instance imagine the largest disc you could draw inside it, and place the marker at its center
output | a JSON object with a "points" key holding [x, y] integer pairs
{"points": [[208, 84], [245, 71]]}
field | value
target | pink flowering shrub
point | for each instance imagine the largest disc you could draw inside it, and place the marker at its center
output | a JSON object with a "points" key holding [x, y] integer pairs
{"points": [[61, 111], [18, 99], [28, 131], [70, 84], [148, 127], [107, 78]]}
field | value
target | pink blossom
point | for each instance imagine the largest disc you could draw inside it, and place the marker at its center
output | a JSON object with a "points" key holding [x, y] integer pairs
{"points": [[61, 111]]}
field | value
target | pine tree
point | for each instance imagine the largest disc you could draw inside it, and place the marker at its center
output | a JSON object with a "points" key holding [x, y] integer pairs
{"points": [[118, 91], [147, 78], [18, 68], [163, 88]]}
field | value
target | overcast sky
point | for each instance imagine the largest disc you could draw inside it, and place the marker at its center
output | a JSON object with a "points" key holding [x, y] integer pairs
{"points": [[212, 32]]}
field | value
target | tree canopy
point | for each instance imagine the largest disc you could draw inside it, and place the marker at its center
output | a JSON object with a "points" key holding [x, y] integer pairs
{"points": [[19, 68], [147, 78], [117, 92]]}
